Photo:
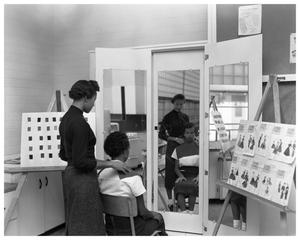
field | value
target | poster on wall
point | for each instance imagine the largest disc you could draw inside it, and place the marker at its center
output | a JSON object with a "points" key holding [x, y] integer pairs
{"points": [[249, 20], [293, 48], [264, 160]]}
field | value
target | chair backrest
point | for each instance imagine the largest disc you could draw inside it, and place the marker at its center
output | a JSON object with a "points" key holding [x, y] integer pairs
{"points": [[119, 206]]}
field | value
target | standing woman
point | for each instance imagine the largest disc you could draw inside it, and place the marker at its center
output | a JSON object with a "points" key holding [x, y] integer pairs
{"points": [[83, 206], [172, 130]]}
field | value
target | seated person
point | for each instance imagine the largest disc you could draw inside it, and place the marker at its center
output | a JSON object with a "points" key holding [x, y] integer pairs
{"points": [[112, 182], [186, 158]]}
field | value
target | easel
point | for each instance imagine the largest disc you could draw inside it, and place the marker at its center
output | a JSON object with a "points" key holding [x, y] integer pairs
{"points": [[60, 102], [272, 83]]}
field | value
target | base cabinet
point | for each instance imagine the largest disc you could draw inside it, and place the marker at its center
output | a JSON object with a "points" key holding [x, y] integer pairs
{"points": [[40, 206]]}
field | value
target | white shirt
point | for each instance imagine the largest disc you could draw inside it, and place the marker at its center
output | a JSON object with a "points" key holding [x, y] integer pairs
{"points": [[111, 184], [192, 160]]}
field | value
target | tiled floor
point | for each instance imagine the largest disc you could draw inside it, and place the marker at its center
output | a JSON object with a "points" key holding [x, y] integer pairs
{"points": [[214, 210]]}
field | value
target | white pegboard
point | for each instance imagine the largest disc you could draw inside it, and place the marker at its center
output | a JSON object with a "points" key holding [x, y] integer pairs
{"points": [[40, 140]]}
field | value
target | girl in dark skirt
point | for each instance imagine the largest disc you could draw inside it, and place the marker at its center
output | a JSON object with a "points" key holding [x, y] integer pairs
{"points": [[172, 131], [83, 208], [114, 183], [187, 170]]}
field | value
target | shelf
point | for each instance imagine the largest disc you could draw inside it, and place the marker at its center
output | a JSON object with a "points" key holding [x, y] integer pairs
{"points": [[255, 197]]}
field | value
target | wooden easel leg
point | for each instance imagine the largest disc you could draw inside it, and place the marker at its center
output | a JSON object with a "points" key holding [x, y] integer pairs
{"points": [[224, 207]]}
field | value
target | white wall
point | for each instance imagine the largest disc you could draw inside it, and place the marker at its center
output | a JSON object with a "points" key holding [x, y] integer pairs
{"points": [[28, 67], [83, 28], [46, 47]]}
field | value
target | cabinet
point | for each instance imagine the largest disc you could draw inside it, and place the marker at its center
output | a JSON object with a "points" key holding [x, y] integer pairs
{"points": [[41, 204]]}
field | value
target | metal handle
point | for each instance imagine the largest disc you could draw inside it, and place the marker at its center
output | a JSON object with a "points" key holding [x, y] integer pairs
{"points": [[46, 178], [40, 183]]}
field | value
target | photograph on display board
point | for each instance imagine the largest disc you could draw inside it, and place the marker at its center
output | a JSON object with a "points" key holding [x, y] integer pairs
{"points": [[250, 139], [263, 139], [254, 183], [234, 171], [240, 141], [283, 184], [267, 181], [244, 178], [283, 144], [288, 153]]}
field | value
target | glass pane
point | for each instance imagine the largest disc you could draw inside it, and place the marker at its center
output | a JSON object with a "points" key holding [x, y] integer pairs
{"points": [[171, 83], [125, 110], [232, 100]]}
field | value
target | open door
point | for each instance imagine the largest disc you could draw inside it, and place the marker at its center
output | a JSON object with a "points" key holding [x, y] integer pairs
{"points": [[124, 78], [233, 74]]}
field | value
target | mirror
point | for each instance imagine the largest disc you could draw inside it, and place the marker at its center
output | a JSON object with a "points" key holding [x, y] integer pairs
{"points": [[178, 150], [229, 85], [125, 110]]}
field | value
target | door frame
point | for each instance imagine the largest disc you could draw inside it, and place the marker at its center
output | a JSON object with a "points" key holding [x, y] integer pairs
{"points": [[175, 47]]}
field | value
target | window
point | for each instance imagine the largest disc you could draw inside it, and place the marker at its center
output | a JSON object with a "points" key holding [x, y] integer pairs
{"points": [[229, 85]]}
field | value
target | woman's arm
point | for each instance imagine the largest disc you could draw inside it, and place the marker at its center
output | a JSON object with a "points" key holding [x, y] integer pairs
{"points": [[118, 165], [162, 131], [177, 171], [80, 139]]}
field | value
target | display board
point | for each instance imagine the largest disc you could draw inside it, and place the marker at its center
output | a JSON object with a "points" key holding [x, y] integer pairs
{"points": [[40, 140], [264, 160]]}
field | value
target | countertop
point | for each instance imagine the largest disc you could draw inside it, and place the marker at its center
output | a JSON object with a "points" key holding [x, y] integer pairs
{"points": [[16, 168]]}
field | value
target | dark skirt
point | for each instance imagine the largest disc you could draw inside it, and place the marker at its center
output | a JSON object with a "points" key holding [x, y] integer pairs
{"points": [[83, 208], [188, 187], [170, 175], [120, 226]]}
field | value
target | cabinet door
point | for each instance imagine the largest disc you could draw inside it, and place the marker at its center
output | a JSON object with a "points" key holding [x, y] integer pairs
{"points": [[53, 200], [31, 206]]}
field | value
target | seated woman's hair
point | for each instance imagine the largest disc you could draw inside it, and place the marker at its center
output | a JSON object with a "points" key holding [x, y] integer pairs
{"points": [[189, 125], [115, 144], [83, 88], [178, 97]]}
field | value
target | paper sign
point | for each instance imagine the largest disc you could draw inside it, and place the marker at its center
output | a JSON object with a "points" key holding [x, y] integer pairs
{"points": [[293, 48], [250, 20], [222, 133]]}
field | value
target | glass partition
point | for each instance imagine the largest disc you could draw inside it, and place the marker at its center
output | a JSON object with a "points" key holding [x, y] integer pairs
{"points": [[229, 86]]}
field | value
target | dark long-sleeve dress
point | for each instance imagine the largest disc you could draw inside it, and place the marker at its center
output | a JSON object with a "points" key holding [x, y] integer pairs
{"points": [[83, 206], [172, 126]]}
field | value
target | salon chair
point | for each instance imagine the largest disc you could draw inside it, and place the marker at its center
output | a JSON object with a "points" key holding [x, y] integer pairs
{"points": [[121, 207]]}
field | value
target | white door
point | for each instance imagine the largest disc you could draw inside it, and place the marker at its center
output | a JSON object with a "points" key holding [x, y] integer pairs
{"points": [[124, 78], [233, 73], [53, 200], [177, 72]]}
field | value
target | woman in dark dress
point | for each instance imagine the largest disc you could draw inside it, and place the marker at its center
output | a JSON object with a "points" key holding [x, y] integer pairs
{"points": [[172, 131], [83, 208]]}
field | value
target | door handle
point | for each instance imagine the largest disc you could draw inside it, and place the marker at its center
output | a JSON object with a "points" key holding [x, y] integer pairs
{"points": [[40, 181], [46, 178]]}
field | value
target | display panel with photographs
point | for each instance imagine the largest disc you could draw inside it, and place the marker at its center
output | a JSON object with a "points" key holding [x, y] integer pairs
{"points": [[264, 160]]}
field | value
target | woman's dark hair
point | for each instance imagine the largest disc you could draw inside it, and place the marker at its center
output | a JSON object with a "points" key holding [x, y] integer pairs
{"points": [[178, 97], [189, 125], [83, 88], [115, 144]]}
